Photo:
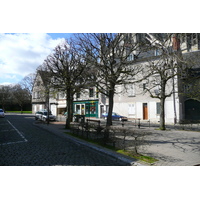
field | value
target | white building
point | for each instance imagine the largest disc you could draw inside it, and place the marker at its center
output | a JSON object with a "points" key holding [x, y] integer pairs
{"points": [[130, 100]]}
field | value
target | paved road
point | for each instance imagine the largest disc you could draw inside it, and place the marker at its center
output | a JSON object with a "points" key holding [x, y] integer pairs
{"points": [[24, 144]]}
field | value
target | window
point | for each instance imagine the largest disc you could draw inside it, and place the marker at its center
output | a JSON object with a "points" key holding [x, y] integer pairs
{"points": [[194, 38], [131, 109], [37, 95], [198, 40], [91, 92], [144, 86], [61, 95], [97, 93], [78, 94], [189, 41], [187, 87], [157, 92], [139, 37], [158, 108], [130, 57], [157, 52], [183, 38], [131, 90]]}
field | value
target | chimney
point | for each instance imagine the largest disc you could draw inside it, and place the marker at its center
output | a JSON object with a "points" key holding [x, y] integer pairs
{"points": [[175, 43]]}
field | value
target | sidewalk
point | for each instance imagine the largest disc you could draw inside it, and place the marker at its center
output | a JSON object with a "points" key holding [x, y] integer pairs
{"points": [[171, 147], [174, 147]]}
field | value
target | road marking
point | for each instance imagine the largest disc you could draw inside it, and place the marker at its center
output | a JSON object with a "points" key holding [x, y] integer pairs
{"points": [[24, 139]]}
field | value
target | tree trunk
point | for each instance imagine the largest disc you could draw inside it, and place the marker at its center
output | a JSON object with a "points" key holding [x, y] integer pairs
{"points": [[69, 110], [48, 110], [162, 105], [162, 114], [111, 103], [21, 109]]}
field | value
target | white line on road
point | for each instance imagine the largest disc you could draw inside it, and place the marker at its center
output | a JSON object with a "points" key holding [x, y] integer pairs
{"points": [[25, 140]]}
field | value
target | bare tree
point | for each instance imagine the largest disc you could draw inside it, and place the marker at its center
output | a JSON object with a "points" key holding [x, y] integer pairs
{"points": [[164, 70], [68, 72], [21, 95], [27, 82], [5, 95], [112, 57]]}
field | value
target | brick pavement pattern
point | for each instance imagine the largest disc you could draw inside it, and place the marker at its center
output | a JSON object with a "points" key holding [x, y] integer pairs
{"points": [[29, 145], [48, 145]]}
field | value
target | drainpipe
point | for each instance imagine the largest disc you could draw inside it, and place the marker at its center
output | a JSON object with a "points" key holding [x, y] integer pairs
{"points": [[176, 49]]}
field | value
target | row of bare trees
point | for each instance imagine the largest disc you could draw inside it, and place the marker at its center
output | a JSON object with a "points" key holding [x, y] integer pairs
{"points": [[92, 59], [19, 94], [103, 60]]}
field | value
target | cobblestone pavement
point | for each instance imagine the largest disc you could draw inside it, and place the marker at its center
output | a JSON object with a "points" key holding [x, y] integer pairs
{"points": [[23, 144], [48, 145]]}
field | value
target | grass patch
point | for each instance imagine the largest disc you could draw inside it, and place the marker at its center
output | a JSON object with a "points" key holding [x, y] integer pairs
{"points": [[147, 159], [131, 154], [25, 112]]}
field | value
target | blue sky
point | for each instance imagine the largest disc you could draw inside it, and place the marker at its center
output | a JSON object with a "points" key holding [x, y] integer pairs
{"points": [[22, 53]]}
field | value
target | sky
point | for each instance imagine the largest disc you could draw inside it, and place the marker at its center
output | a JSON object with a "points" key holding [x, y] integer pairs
{"points": [[22, 53]]}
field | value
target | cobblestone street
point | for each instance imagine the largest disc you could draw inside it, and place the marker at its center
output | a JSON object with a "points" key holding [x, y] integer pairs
{"points": [[23, 144]]}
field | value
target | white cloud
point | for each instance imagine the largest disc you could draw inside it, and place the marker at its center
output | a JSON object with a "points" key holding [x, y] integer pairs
{"points": [[21, 54]]}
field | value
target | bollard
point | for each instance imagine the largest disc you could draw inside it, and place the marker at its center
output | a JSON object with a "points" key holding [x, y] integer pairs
{"points": [[139, 123]]}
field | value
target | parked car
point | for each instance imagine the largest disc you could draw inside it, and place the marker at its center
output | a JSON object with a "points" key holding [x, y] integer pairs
{"points": [[43, 115], [2, 114], [38, 115], [115, 116]]}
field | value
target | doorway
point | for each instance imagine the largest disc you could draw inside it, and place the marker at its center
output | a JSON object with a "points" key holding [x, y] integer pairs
{"points": [[192, 109], [145, 111], [80, 109]]}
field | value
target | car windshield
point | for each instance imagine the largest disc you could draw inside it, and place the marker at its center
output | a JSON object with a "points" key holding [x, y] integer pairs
{"points": [[45, 113], [1, 110]]}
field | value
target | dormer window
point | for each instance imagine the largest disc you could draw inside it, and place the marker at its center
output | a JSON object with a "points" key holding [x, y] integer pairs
{"points": [[130, 57]]}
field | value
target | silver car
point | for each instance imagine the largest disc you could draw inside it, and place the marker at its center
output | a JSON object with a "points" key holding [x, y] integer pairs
{"points": [[43, 115], [2, 114]]}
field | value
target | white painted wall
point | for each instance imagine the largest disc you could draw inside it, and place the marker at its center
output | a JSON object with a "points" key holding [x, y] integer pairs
{"points": [[136, 110]]}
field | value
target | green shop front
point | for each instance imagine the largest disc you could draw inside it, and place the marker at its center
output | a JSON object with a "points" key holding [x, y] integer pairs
{"points": [[87, 108]]}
